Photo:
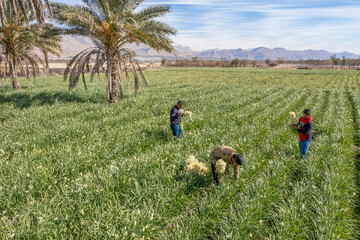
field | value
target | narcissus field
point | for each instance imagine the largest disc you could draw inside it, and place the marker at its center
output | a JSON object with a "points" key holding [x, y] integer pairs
{"points": [[75, 167]]}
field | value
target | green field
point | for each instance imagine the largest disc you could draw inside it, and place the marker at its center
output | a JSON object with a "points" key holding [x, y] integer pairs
{"points": [[75, 167]]}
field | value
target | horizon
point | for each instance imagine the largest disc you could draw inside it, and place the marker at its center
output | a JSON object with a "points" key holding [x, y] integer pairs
{"points": [[307, 25]]}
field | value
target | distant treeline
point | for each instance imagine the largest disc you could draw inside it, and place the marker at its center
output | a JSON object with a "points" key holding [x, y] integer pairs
{"points": [[334, 62]]}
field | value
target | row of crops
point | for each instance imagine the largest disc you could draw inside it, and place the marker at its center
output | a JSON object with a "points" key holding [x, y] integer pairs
{"points": [[73, 166]]}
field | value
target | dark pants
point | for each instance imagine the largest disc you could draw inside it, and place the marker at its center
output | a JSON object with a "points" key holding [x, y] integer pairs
{"points": [[216, 174], [176, 130]]}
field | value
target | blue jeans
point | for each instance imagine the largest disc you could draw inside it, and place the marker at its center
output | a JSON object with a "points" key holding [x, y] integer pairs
{"points": [[304, 146], [176, 130]]}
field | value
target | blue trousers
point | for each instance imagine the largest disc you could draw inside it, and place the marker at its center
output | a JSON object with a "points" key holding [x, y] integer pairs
{"points": [[304, 146], [176, 130]]}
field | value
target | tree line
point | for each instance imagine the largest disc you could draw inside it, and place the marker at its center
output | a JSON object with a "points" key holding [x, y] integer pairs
{"points": [[343, 63]]}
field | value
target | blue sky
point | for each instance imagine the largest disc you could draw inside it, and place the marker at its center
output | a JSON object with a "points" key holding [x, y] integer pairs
{"points": [[294, 25]]}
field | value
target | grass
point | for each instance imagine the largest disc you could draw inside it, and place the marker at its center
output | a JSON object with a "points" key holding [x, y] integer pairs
{"points": [[75, 167]]}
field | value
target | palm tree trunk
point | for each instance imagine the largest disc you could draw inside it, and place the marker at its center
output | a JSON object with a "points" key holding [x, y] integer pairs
{"points": [[108, 76], [1, 76], [46, 57], [121, 82], [136, 78], [34, 74], [127, 78], [27, 72], [112, 79], [13, 72], [5, 71]]}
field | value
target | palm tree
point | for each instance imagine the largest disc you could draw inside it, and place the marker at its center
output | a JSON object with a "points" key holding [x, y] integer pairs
{"points": [[18, 42], [111, 25], [22, 7]]}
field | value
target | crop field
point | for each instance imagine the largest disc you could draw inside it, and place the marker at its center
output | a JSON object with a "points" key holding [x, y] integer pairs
{"points": [[75, 167]]}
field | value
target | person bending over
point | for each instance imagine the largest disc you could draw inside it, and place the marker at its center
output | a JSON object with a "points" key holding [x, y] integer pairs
{"points": [[230, 156]]}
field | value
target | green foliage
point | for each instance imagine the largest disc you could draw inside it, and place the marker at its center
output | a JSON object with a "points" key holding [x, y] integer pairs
{"points": [[17, 43], [73, 166], [235, 62]]}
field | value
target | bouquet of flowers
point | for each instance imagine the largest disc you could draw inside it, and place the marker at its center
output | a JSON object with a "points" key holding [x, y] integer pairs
{"points": [[220, 166], [185, 113], [194, 166], [293, 119]]}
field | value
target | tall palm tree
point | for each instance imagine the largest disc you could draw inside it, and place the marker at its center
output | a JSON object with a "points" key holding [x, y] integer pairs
{"points": [[18, 43], [111, 24], [24, 7]]}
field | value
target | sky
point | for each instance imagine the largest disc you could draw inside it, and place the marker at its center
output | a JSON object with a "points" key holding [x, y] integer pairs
{"points": [[295, 25]]}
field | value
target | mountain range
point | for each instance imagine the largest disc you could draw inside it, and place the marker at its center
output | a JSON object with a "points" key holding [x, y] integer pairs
{"points": [[74, 44]]}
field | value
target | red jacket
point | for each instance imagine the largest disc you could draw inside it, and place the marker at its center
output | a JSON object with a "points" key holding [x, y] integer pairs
{"points": [[305, 127]]}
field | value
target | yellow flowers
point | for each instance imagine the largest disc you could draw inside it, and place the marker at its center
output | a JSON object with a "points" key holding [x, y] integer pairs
{"points": [[194, 166], [220, 166], [293, 119]]}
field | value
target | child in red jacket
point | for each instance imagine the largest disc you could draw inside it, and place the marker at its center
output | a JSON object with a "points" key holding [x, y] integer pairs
{"points": [[304, 127]]}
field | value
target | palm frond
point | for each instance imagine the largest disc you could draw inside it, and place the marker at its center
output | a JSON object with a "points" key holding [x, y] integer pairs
{"points": [[136, 78], [80, 66], [152, 12], [24, 13], [127, 77], [142, 74], [73, 16], [99, 62]]}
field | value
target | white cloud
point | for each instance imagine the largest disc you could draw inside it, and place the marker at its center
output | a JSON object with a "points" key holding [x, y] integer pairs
{"points": [[331, 28], [307, 24]]}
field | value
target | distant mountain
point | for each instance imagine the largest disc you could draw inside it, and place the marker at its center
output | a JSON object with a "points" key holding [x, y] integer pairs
{"points": [[74, 44]]}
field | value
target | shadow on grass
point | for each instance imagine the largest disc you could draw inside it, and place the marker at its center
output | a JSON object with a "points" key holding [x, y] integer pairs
{"points": [[159, 135], [25, 100], [193, 182]]}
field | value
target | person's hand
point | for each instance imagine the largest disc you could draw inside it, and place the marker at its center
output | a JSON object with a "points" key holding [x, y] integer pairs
{"points": [[293, 126]]}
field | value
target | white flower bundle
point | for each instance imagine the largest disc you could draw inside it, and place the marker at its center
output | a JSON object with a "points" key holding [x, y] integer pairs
{"points": [[220, 166], [293, 119], [185, 113], [194, 166], [190, 163]]}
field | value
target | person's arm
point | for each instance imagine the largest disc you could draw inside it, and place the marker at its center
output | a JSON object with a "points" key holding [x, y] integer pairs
{"points": [[236, 171], [295, 126], [307, 128]]}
